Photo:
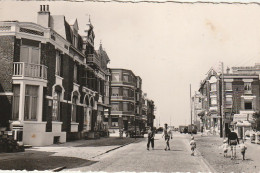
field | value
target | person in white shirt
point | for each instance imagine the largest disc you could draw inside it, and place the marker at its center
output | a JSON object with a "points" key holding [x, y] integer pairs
{"points": [[243, 149], [167, 134], [225, 147]]}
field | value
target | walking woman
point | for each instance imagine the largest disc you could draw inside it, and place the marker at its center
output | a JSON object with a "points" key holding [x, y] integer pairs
{"points": [[167, 134], [233, 141]]}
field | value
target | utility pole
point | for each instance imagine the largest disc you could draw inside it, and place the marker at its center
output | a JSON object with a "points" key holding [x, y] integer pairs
{"points": [[222, 134], [190, 107]]}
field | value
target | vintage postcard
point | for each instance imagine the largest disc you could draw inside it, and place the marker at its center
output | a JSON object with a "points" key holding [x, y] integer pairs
{"points": [[130, 85]]}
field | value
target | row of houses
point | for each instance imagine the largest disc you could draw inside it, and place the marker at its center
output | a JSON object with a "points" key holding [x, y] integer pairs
{"points": [[231, 98], [55, 87]]}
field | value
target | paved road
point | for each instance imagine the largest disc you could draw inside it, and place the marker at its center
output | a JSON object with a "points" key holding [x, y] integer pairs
{"points": [[135, 157]]}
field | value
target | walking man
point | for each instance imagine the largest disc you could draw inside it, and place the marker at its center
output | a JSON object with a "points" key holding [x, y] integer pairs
{"points": [[150, 138], [167, 134]]}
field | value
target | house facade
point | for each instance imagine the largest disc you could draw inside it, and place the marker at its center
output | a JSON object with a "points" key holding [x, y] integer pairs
{"points": [[240, 99], [123, 101], [53, 84]]}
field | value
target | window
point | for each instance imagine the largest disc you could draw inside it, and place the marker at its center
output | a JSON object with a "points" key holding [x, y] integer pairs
{"points": [[125, 106], [248, 106], [125, 77], [115, 107], [56, 106], [115, 77], [16, 101], [107, 90], [213, 87], [74, 109], [115, 91], [228, 100], [228, 86], [247, 88], [30, 51], [75, 38], [213, 101], [125, 92], [75, 77], [31, 102], [58, 63]]}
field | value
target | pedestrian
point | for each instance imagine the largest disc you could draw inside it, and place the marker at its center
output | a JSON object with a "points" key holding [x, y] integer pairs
{"points": [[167, 134], [233, 141], [225, 147], [202, 129], [150, 138], [192, 145], [243, 149]]}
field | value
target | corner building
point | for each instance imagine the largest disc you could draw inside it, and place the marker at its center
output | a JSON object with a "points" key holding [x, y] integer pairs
{"points": [[123, 101], [50, 87]]}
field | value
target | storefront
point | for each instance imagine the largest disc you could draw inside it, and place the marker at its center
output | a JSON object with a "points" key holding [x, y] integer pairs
{"points": [[242, 124]]}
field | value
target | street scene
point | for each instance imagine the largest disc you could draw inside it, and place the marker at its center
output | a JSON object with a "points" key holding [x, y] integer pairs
{"points": [[135, 87]]}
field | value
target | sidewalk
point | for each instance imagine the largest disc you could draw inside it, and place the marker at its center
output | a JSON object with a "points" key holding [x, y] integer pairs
{"points": [[208, 147], [71, 154]]}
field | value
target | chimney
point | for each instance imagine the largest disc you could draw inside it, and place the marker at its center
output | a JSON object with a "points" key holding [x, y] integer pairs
{"points": [[44, 16], [228, 70]]}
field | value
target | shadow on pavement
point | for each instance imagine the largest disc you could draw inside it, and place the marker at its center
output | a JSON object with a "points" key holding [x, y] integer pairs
{"points": [[38, 160]]}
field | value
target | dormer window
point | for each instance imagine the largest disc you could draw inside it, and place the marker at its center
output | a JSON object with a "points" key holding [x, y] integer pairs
{"points": [[75, 40]]}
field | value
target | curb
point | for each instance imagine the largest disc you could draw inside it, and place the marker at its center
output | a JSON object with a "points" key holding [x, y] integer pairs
{"points": [[58, 169], [120, 146], [203, 160]]}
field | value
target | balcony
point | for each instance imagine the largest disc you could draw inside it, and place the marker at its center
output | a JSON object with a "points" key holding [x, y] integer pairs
{"points": [[93, 59], [122, 98], [23, 70]]}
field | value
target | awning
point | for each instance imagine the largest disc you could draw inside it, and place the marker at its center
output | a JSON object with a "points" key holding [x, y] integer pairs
{"points": [[243, 124]]}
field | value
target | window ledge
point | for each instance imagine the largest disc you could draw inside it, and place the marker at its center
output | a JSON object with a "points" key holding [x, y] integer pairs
{"points": [[74, 123], [58, 76], [56, 122], [34, 122]]}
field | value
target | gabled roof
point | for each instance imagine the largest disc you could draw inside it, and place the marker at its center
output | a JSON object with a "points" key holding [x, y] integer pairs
{"points": [[74, 23]]}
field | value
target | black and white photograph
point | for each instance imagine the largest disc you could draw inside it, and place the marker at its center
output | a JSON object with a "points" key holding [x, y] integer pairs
{"points": [[130, 86]]}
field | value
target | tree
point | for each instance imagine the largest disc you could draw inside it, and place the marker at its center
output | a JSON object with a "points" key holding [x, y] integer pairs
{"points": [[256, 124]]}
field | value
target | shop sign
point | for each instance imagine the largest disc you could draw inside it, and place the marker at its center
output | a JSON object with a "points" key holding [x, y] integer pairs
{"points": [[240, 117]]}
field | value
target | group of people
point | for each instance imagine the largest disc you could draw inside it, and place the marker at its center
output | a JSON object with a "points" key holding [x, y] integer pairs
{"points": [[167, 135], [232, 142]]}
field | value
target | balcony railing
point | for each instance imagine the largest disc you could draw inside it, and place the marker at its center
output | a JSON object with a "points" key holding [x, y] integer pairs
{"points": [[22, 69], [92, 58]]}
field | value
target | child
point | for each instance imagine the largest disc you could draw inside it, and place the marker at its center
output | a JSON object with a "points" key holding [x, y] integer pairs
{"points": [[225, 147], [192, 145], [243, 149]]}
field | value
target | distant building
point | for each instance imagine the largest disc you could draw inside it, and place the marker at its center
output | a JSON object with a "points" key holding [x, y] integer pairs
{"points": [[148, 110], [123, 101], [196, 109]]}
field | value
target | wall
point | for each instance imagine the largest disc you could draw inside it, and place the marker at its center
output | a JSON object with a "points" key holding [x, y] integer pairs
{"points": [[7, 52]]}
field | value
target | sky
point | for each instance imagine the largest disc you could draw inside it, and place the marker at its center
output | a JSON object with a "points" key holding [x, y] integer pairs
{"points": [[169, 45]]}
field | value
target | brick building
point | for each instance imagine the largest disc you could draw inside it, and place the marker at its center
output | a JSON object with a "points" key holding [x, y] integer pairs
{"points": [[126, 100], [241, 98], [148, 109], [123, 91], [53, 84]]}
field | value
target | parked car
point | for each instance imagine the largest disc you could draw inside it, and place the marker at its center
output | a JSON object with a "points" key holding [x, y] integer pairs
{"points": [[192, 129], [183, 129], [159, 130], [135, 132]]}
